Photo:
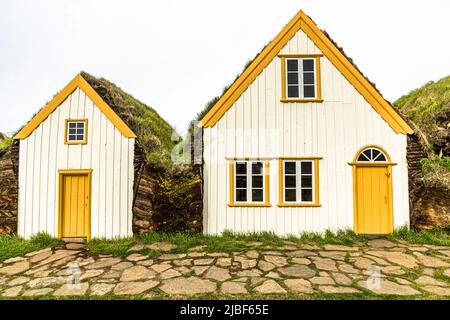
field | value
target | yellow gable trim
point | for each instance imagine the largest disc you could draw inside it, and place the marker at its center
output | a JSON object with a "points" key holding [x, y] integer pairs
{"points": [[302, 22], [80, 82]]}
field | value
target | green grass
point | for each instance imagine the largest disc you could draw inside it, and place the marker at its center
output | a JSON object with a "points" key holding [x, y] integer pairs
{"points": [[227, 242], [438, 236], [13, 246], [5, 143]]}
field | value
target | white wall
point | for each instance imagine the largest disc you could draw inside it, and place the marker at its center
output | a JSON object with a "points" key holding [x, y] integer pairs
{"points": [[259, 125], [108, 153]]}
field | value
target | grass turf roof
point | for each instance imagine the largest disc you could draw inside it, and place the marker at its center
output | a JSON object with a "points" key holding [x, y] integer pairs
{"points": [[154, 134]]}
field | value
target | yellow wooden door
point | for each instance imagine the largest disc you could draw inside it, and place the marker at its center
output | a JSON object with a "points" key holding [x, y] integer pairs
{"points": [[75, 216], [372, 200]]}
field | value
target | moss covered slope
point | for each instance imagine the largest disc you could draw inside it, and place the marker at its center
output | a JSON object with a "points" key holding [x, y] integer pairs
{"points": [[428, 107], [154, 134]]}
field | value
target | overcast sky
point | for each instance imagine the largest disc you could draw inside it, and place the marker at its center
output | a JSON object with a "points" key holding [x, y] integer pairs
{"points": [[176, 55]]}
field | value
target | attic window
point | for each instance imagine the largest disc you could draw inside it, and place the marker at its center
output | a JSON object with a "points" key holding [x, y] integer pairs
{"points": [[301, 78], [76, 131]]}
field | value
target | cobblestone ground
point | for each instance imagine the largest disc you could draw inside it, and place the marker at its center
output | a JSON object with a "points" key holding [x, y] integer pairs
{"points": [[381, 267]]}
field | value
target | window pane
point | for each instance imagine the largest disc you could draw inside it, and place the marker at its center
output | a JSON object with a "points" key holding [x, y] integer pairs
{"points": [[292, 92], [362, 157], [241, 181], [257, 181], [257, 195], [292, 78], [381, 158], [241, 168], [289, 167], [308, 78], [72, 125], [375, 153], [80, 131], [80, 125], [307, 195], [257, 168], [292, 65], [72, 131], [72, 137], [289, 182], [80, 137], [309, 92], [306, 181], [290, 195], [241, 195], [306, 167], [308, 65]]}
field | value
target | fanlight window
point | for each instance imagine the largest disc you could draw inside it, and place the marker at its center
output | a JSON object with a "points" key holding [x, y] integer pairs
{"points": [[372, 155]]}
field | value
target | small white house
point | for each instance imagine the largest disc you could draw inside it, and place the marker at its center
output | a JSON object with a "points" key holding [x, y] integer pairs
{"points": [[76, 168], [302, 141]]}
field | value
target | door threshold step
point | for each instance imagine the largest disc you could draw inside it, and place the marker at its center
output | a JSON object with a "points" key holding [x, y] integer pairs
{"points": [[74, 240]]}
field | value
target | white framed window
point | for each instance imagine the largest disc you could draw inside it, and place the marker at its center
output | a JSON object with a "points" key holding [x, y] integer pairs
{"points": [[301, 78], [76, 131], [249, 182], [299, 182]]}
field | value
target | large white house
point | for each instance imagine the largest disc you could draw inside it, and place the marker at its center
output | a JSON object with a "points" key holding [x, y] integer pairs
{"points": [[302, 141], [76, 168]]}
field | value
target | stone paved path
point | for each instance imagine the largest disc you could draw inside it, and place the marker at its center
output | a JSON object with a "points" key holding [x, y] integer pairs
{"points": [[403, 269]]}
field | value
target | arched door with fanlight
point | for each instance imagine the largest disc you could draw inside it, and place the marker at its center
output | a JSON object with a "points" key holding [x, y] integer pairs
{"points": [[372, 191]]}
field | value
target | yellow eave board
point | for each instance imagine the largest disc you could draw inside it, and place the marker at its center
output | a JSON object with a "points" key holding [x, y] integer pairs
{"points": [[80, 82], [302, 22]]}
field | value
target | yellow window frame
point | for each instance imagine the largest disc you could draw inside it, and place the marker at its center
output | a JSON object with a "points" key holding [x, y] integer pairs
{"points": [[284, 97], [66, 128], [316, 202], [266, 202]]}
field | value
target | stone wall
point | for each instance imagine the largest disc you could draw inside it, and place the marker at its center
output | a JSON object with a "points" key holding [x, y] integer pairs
{"points": [[9, 163], [429, 202]]}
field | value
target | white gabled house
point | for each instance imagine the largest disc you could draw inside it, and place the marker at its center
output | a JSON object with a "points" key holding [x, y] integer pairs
{"points": [[302, 141], [76, 168]]}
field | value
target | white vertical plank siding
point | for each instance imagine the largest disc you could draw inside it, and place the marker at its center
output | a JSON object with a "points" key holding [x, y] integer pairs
{"points": [[259, 125], [108, 153]]}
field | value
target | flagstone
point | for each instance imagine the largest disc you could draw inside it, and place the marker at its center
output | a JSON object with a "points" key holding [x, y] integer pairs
{"points": [[440, 291], [334, 289], [390, 288], [122, 266], [298, 271], [37, 292], [72, 289], [136, 257], [15, 268], [46, 282], [265, 266], [233, 288], [100, 289], [12, 292], [223, 262], [188, 286], [31, 254], [199, 270], [137, 273], [270, 286], [276, 260], [335, 247], [399, 258], [431, 262], [57, 255], [203, 262], [426, 280], [303, 261], [299, 285], [336, 255], [14, 259], [322, 280], [161, 267], [325, 264], [172, 256], [341, 279], [17, 281], [91, 274], [161, 246], [103, 263], [219, 274], [138, 287], [381, 243], [245, 263]]}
